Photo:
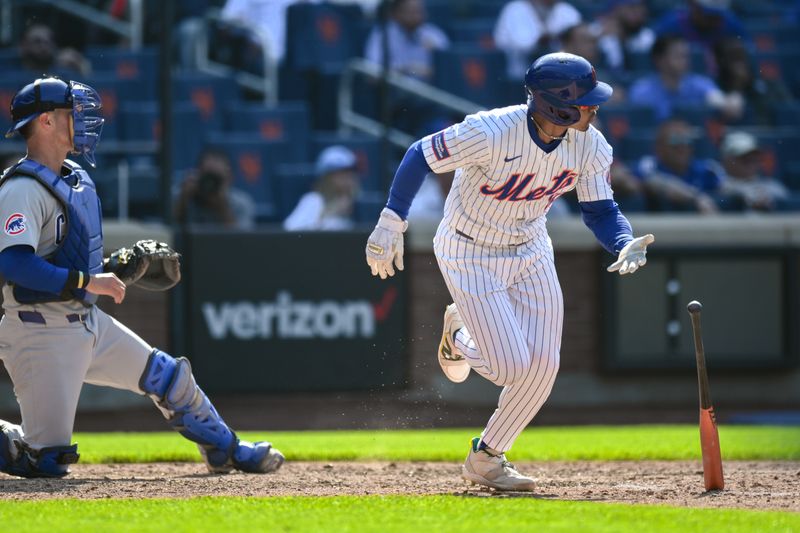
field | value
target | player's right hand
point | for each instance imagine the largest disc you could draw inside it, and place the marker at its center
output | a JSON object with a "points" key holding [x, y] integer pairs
{"points": [[385, 244], [107, 285]]}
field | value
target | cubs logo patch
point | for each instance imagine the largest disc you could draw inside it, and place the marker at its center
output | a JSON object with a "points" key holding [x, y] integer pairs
{"points": [[15, 224], [439, 146]]}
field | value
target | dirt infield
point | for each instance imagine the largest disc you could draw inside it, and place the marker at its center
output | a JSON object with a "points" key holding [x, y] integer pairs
{"points": [[749, 484]]}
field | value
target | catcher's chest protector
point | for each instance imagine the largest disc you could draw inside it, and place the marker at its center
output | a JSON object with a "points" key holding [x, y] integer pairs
{"points": [[82, 246]]}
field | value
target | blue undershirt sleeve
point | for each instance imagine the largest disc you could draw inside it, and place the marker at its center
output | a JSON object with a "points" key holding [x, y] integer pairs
{"points": [[407, 180], [608, 224], [21, 266]]}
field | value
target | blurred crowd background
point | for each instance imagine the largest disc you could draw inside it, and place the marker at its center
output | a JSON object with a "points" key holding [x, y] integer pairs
{"points": [[277, 117]]}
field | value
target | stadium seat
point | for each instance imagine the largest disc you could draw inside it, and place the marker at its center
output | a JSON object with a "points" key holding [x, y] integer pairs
{"points": [[142, 122], [254, 164], [322, 37], [292, 180], [113, 93], [474, 32], [367, 150], [211, 95], [288, 121], [140, 66], [471, 73]]}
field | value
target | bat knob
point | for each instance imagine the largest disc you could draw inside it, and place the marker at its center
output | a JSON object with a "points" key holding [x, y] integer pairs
{"points": [[694, 307]]}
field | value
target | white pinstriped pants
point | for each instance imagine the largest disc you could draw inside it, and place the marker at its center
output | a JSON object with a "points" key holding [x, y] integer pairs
{"points": [[513, 310]]}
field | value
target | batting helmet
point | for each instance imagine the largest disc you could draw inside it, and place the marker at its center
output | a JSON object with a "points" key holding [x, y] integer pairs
{"points": [[558, 83], [50, 93]]}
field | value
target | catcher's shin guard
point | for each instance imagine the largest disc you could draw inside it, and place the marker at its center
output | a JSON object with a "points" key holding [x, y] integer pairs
{"points": [[19, 459], [170, 383]]}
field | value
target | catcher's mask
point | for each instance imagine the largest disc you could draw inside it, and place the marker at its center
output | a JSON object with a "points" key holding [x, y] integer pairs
{"points": [[50, 93]]}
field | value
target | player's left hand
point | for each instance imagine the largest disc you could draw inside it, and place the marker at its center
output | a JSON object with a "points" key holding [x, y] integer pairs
{"points": [[632, 256], [385, 244]]}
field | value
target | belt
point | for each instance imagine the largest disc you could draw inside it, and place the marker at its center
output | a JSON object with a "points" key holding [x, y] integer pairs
{"points": [[35, 317]]}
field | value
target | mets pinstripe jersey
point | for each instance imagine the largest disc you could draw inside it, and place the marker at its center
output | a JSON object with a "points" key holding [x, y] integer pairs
{"points": [[504, 183]]}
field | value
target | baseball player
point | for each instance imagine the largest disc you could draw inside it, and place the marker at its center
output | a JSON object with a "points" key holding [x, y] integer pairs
{"points": [[52, 337], [492, 244]]}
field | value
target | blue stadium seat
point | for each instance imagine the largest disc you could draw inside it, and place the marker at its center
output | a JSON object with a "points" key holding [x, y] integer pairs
{"points": [[474, 32], [471, 73], [322, 37], [292, 180], [134, 66], [367, 150], [210, 95], [114, 93], [254, 164], [142, 122], [288, 121]]}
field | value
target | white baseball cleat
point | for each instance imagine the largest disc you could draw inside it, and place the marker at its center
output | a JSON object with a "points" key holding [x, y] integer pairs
{"points": [[493, 471], [454, 366]]}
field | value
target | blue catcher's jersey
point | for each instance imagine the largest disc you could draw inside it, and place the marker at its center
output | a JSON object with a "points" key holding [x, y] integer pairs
{"points": [[82, 246]]}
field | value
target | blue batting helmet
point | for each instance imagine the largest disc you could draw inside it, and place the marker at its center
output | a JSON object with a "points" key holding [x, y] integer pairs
{"points": [[50, 93], [558, 83]]}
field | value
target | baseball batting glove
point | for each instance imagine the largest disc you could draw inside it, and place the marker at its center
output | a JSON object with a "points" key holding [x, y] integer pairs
{"points": [[385, 244], [632, 256], [148, 264]]}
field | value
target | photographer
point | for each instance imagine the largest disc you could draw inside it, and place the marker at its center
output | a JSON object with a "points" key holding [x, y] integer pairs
{"points": [[206, 195]]}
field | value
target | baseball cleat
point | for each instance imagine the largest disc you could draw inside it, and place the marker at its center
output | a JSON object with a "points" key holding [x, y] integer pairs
{"points": [[454, 366], [249, 457], [489, 470]]}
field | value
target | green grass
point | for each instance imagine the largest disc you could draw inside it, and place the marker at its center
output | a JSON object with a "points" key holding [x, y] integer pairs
{"points": [[375, 513], [600, 443]]}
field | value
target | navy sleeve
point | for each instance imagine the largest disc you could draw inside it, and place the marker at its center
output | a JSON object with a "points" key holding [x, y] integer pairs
{"points": [[21, 266], [407, 180], [608, 224]]}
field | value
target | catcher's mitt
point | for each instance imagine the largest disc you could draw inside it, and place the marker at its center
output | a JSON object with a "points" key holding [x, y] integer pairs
{"points": [[148, 264]]}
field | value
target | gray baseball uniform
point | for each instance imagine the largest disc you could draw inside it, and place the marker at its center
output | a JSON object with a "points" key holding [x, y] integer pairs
{"points": [[48, 363]]}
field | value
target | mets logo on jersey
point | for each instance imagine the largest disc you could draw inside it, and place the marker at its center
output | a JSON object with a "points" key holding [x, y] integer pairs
{"points": [[15, 224], [514, 189]]}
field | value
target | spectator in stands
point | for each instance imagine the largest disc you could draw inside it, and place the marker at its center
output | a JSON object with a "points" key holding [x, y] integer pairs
{"points": [[674, 179], [703, 22], [737, 75], [672, 84], [411, 39], [582, 39], [741, 159], [625, 32], [329, 206], [208, 197], [267, 17], [38, 53], [525, 26]]}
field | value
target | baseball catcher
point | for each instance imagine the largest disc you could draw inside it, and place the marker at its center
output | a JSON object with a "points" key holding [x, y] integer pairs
{"points": [[53, 338]]}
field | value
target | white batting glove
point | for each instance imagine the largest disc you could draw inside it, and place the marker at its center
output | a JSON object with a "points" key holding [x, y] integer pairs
{"points": [[385, 244], [632, 256]]}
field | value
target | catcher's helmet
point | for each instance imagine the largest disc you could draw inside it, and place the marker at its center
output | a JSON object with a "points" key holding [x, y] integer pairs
{"points": [[50, 93], [557, 83]]}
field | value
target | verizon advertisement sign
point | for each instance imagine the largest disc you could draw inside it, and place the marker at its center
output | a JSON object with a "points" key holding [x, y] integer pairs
{"points": [[283, 320], [289, 318]]}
